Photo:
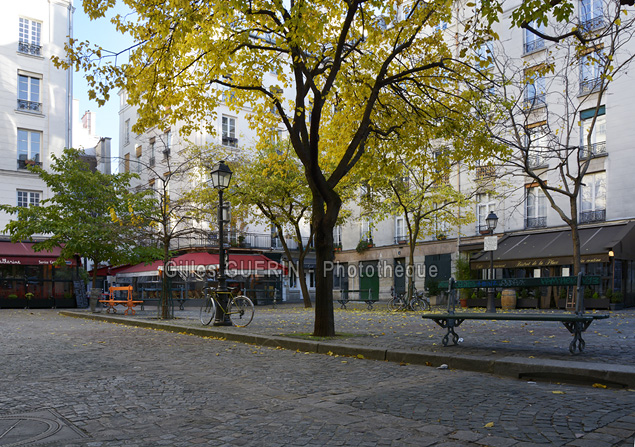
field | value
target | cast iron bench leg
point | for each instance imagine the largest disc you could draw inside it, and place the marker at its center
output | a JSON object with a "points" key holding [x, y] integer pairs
{"points": [[450, 324], [370, 305], [576, 328], [342, 304]]}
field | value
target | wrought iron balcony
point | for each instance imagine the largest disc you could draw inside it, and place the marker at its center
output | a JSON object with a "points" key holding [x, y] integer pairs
{"points": [[534, 45], [29, 106], [24, 164], [535, 101], [485, 172], [536, 222], [590, 85], [29, 48], [230, 141], [592, 216], [592, 24], [595, 150]]}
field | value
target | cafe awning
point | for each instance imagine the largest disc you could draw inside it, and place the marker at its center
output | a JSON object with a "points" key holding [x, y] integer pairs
{"points": [[551, 248], [239, 264], [22, 253]]}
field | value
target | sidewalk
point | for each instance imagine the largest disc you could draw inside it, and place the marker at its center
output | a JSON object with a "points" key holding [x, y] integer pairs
{"points": [[525, 350]]}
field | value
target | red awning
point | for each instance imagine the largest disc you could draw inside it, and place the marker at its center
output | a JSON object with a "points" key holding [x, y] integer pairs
{"points": [[21, 253], [239, 264], [142, 269]]}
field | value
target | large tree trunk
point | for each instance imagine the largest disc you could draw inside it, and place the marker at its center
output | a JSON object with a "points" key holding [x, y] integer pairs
{"points": [[324, 219]]}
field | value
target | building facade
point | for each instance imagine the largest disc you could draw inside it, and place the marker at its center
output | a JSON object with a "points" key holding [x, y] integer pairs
{"points": [[35, 123]]}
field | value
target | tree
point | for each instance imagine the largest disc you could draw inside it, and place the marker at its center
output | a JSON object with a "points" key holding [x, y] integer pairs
{"points": [[178, 210], [77, 217], [552, 111], [338, 60], [274, 184]]}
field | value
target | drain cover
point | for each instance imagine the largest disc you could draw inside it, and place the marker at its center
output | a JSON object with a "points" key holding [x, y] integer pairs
{"points": [[24, 429]]}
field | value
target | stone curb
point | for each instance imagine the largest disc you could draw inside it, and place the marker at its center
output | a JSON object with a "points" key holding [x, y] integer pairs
{"points": [[518, 368]]}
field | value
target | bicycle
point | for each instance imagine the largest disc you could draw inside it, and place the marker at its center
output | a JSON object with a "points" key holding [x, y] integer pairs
{"points": [[239, 306], [418, 302]]}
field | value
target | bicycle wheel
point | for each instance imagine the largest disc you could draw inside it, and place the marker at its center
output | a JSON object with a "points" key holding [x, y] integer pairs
{"points": [[394, 304], [208, 310], [418, 304], [240, 310]]}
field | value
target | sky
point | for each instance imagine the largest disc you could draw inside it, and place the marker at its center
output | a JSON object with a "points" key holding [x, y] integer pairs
{"points": [[100, 32]]}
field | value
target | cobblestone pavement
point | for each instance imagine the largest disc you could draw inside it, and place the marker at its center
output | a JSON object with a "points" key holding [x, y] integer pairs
{"points": [[127, 386], [607, 341]]}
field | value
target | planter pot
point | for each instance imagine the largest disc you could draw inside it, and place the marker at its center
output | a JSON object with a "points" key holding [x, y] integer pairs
{"points": [[477, 302], [526, 303], [65, 303], [40, 303], [508, 299], [616, 306], [463, 302], [13, 303], [597, 303]]}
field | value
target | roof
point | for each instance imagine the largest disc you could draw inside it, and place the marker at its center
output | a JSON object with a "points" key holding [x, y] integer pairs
{"points": [[550, 248]]}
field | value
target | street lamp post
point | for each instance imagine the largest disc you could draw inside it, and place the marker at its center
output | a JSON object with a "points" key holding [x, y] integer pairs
{"points": [[220, 177], [492, 221]]}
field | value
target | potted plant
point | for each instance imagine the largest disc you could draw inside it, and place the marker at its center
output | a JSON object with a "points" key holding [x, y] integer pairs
{"points": [[12, 301], [37, 303], [617, 302], [363, 245], [65, 301]]}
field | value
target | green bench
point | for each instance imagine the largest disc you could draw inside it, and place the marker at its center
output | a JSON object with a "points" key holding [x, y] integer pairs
{"points": [[364, 296], [576, 323]]}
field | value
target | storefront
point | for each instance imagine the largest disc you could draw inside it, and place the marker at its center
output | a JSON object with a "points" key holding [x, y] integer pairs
{"points": [[606, 250], [29, 275]]}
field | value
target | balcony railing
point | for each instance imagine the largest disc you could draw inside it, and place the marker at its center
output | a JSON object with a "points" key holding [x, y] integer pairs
{"points": [[29, 48], [592, 24], [24, 164], [29, 106], [484, 172], [534, 45], [235, 239], [536, 222], [592, 216], [536, 101], [230, 141], [595, 150], [590, 85], [400, 240]]}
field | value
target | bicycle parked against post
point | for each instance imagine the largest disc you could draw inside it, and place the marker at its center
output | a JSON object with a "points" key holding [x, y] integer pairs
{"points": [[418, 302], [240, 307]]}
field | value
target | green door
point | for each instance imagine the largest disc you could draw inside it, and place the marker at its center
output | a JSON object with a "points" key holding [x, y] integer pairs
{"points": [[369, 278]]}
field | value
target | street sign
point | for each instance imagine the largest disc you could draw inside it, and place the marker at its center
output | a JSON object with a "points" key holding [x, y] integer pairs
{"points": [[490, 243]]}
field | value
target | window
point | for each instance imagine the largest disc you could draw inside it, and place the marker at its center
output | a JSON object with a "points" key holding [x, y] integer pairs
{"points": [[535, 90], [28, 198], [152, 152], [126, 163], [168, 145], [590, 71], [30, 37], [126, 132], [537, 145], [400, 230], [591, 14], [536, 208], [29, 146], [485, 55], [337, 236], [229, 132], [485, 204], [366, 230], [593, 198], [29, 93], [598, 132], [533, 42]]}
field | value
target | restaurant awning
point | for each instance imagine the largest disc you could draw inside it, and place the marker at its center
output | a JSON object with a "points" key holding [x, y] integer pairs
{"points": [[22, 253], [142, 269], [239, 264], [551, 248]]}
